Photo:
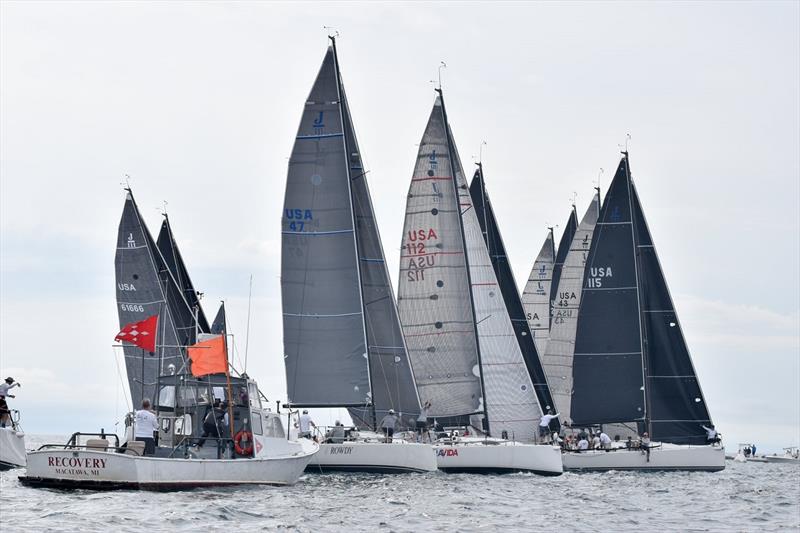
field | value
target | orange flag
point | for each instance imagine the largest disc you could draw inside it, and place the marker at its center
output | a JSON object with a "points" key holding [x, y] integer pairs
{"points": [[209, 357]]}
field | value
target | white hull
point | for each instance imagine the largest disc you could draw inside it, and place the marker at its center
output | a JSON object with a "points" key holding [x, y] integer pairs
{"points": [[361, 456], [498, 456], [782, 459], [662, 457], [12, 448], [67, 468]]}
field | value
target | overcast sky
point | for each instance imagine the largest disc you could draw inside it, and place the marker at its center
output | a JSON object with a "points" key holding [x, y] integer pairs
{"points": [[199, 104]]}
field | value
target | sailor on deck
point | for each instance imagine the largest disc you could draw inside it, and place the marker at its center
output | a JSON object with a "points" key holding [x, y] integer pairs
{"points": [[145, 427], [387, 425], [306, 424], [544, 424], [605, 441], [712, 437], [5, 412]]}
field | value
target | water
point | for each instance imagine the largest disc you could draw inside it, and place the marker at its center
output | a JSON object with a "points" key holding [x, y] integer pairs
{"points": [[744, 497]]}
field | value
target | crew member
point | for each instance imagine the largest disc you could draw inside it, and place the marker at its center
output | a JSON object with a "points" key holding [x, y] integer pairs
{"points": [[306, 424], [544, 424], [387, 425], [712, 437], [422, 422], [145, 427]]}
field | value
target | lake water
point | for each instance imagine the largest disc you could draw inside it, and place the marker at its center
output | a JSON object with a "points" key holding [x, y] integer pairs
{"points": [[744, 497]]}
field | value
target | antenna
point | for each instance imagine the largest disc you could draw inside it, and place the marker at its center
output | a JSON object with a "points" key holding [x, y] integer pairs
{"points": [[333, 33], [442, 65], [480, 152], [627, 138], [574, 198], [127, 183], [247, 333], [599, 174]]}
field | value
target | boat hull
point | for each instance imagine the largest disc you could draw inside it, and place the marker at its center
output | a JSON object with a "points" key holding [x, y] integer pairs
{"points": [[663, 457], [102, 470], [12, 448], [479, 457], [374, 457]]}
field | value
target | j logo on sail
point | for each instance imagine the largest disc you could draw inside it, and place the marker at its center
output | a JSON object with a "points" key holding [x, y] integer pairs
{"points": [[318, 124], [131, 242]]}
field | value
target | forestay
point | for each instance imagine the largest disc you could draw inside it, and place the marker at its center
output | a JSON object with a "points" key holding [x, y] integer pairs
{"points": [[145, 288], [510, 402], [433, 294], [536, 295], [558, 355]]}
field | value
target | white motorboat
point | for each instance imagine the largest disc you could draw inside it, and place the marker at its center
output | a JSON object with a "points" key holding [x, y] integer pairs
{"points": [[790, 456], [12, 444], [254, 451], [489, 455], [661, 456], [744, 455], [368, 452]]}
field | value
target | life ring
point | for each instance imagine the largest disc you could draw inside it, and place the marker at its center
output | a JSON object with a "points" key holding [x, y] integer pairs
{"points": [[238, 438]]}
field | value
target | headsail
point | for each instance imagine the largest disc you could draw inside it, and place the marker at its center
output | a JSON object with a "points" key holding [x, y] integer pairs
{"points": [[323, 320], [220, 324], [514, 380], [433, 297], [172, 256], [145, 288], [561, 256], [561, 345], [536, 295]]}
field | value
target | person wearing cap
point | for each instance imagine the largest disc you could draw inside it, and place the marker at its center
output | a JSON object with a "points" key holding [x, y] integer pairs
{"points": [[305, 424], [596, 441], [8, 385], [544, 424], [388, 424]]}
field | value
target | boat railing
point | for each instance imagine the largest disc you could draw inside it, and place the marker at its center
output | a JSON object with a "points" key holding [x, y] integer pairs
{"points": [[90, 448]]}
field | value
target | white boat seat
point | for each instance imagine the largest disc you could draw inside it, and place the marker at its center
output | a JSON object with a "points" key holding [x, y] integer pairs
{"points": [[100, 444], [135, 447]]}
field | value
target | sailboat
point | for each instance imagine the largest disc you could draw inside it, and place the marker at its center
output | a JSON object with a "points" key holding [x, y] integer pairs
{"points": [[251, 448], [508, 288], [631, 369], [536, 295], [561, 255], [12, 443], [463, 348], [558, 354], [343, 344]]}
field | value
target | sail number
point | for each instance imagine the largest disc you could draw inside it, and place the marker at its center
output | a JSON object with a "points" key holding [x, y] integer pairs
{"points": [[136, 308], [597, 275], [298, 218], [418, 257]]}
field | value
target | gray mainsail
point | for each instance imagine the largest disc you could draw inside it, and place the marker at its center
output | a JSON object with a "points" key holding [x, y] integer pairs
{"points": [[561, 256], [434, 298], [145, 288], [536, 295], [635, 357], [343, 342], [560, 348], [195, 317], [219, 326]]}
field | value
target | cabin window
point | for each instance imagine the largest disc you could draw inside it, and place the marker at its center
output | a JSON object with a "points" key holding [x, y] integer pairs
{"points": [[274, 428], [166, 398], [187, 396], [255, 418], [255, 401]]}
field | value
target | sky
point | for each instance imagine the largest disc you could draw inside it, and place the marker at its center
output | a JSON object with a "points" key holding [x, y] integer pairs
{"points": [[198, 103]]}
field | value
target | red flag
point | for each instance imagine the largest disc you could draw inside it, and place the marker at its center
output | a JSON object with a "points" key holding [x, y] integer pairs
{"points": [[208, 356], [142, 334]]}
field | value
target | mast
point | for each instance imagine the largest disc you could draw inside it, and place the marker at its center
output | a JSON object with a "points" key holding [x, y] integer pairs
{"points": [[355, 227], [466, 258]]}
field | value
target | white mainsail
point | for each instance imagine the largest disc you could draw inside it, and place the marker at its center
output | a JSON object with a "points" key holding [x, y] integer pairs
{"points": [[558, 356], [536, 295], [510, 404]]}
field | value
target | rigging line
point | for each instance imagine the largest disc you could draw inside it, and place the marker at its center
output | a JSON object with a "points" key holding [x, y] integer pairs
{"points": [[119, 374], [247, 333]]}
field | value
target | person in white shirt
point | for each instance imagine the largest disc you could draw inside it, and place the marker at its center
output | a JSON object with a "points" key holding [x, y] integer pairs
{"points": [[596, 442], [544, 425], [422, 422], [388, 424], [583, 444], [605, 441], [305, 424], [145, 425], [712, 437], [5, 412], [8, 385]]}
